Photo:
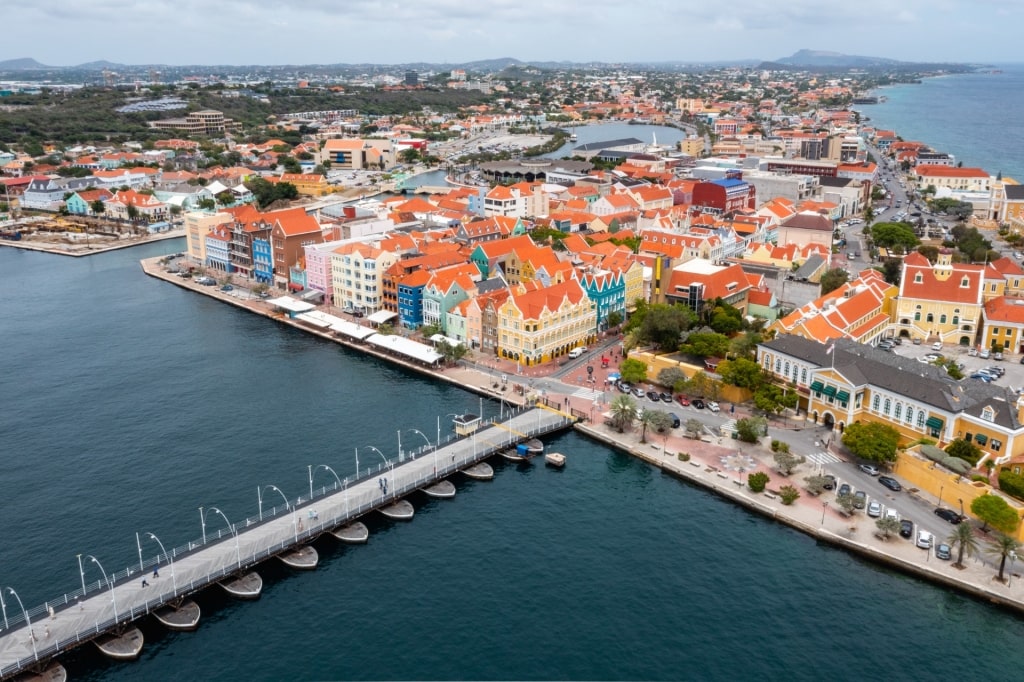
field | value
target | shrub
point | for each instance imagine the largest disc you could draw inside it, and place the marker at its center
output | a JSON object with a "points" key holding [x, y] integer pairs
{"points": [[979, 477], [684, 456], [788, 494], [1010, 483], [750, 429], [758, 481]]}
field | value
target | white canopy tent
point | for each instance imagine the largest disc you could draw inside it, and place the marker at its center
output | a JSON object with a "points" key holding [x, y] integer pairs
{"points": [[292, 305], [352, 330], [382, 316], [407, 347]]}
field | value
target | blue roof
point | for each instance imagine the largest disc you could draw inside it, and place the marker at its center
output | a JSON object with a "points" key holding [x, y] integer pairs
{"points": [[729, 182]]}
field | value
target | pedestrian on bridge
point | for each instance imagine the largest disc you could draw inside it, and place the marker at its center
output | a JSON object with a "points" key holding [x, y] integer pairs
{"points": [[156, 571]]}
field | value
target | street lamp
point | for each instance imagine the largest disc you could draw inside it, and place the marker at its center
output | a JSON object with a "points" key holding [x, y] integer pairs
{"points": [[31, 634], [238, 551], [961, 500], [259, 498], [386, 461], [421, 434], [113, 596], [318, 468], [824, 508], [3, 607], [1009, 578], [941, 488], [168, 559]]}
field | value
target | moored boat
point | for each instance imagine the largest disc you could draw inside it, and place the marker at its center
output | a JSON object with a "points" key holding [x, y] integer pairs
{"points": [[555, 459]]}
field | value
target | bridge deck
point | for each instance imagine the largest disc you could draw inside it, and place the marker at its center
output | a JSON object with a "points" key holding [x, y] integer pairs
{"points": [[79, 618]]}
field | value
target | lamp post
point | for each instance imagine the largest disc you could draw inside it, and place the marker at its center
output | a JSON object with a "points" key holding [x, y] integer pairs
{"points": [[961, 501], [421, 434], [238, 551], [318, 468], [168, 559], [824, 508], [941, 489], [259, 498], [3, 607], [1009, 578], [81, 572], [113, 596], [31, 634], [202, 520], [450, 414]]}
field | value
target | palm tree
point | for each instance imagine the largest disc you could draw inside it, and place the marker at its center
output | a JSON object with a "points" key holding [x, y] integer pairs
{"points": [[648, 418], [624, 412], [963, 539], [1002, 547]]}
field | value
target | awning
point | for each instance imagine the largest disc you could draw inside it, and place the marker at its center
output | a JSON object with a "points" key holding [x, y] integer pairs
{"points": [[934, 423], [817, 386], [843, 397], [291, 305], [981, 439], [381, 316], [830, 391]]}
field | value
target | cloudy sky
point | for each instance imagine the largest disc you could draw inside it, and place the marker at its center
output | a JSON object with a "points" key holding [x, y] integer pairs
{"points": [[68, 32]]}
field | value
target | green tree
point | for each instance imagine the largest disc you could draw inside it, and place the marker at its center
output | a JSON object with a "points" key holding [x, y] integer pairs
{"points": [[887, 526], [745, 345], [969, 452], [706, 344], [741, 372], [700, 384], [771, 399], [789, 494], [133, 212], [671, 377], [930, 252], [662, 325], [1002, 548], [994, 511], [693, 427], [833, 279], [206, 204], [872, 441], [962, 538], [633, 371], [624, 412], [97, 207], [847, 502], [787, 461], [725, 319], [614, 319], [750, 429], [654, 419], [758, 481], [815, 484], [894, 235]]}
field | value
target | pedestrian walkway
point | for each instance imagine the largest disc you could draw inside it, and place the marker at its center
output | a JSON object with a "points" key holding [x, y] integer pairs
{"points": [[587, 394], [823, 458]]}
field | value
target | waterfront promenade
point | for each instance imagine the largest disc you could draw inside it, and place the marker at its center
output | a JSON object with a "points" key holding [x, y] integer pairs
{"points": [[227, 549], [713, 465]]}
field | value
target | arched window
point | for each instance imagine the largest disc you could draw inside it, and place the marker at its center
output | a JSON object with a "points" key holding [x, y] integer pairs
{"points": [[920, 419], [956, 319], [917, 316], [930, 318], [874, 403], [886, 407], [778, 366], [942, 319], [803, 375], [786, 373], [910, 415], [767, 362], [897, 412]]}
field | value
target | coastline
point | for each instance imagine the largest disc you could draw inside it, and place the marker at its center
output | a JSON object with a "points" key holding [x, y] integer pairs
{"points": [[706, 467], [62, 249]]}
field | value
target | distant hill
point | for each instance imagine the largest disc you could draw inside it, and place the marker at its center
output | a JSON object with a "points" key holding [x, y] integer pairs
{"points": [[99, 65], [23, 64], [818, 58]]}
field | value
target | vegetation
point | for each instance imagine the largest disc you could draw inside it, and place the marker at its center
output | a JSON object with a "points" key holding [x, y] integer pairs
{"points": [[833, 279], [654, 419], [661, 325], [624, 412], [700, 384], [672, 377], [887, 526], [789, 494], [705, 344], [1010, 483], [994, 511], [963, 540], [1002, 548], [758, 481], [741, 372], [750, 429], [266, 193], [899, 237], [847, 502], [771, 399], [633, 371], [872, 441], [694, 427], [815, 484], [969, 452], [786, 461]]}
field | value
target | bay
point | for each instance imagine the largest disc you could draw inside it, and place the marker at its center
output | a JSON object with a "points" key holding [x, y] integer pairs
{"points": [[974, 116], [128, 403]]}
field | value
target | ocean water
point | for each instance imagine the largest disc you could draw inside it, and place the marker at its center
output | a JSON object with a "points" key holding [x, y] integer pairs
{"points": [[976, 117], [128, 403]]}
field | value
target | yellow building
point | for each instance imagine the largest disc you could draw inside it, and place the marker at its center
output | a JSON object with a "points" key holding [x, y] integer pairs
{"points": [[357, 272], [942, 301], [307, 184], [537, 324], [198, 224], [855, 382]]}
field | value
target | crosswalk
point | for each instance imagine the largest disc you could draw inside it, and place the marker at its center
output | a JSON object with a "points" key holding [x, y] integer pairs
{"points": [[823, 458], [586, 394]]}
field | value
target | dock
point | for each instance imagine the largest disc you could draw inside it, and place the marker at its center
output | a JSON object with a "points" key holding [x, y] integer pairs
{"points": [[105, 611]]}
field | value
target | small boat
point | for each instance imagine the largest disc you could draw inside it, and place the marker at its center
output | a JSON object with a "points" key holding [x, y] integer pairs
{"points": [[184, 616], [572, 138], [480, 472], [355, 533], [301, 558], [534, 446], [248, 586], [53, 672], [515, 455], [555, 459], [402, 510], [441, 489], [122, 647]]}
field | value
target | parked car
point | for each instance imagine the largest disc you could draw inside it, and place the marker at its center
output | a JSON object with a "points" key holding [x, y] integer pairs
{"points": [[944, 552], [917, 342], [653, 396], [844, 489], [665, 397], [624, 387], [860, 498], [713, 406], [948, 515], [638, 392], [925, 539], [984, 354], [937, 345], [675, 420], [890, 483], [830, 482], [891, 513], [683, 400], [874, 509], [984, 377], [997, 356], [869, 469], [698, 403], [227, 287], [906, 529]]}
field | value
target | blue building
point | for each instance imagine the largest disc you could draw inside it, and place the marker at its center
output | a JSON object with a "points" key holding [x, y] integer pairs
{"points": [[607, 290], [262, 261], [410, 298]]}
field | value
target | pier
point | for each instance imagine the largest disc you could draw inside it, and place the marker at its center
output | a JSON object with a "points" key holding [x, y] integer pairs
{"points": [[103, 610]]}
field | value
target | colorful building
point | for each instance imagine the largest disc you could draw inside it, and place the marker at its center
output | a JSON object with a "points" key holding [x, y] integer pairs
{"points": [[536, 325]]}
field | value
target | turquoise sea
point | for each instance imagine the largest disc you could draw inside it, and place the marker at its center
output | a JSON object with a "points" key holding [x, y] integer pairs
{"points": [[976, 117]]}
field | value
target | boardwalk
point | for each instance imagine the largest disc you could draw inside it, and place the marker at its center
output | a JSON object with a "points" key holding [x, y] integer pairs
{"points": [[78, 618]]}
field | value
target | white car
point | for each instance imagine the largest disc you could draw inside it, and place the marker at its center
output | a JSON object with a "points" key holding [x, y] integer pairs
{"points": [[937, 345], [712, 405], [891, 513], [925, 539]]}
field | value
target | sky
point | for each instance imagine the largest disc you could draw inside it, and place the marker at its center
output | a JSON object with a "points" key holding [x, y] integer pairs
{"points": [[236, 32]]}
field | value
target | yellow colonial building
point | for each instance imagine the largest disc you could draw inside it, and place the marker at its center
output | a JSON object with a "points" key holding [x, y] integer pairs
{"points": [[537, 324], [856, 382], [940, 302]]}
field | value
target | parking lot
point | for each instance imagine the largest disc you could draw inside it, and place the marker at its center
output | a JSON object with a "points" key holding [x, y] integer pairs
{"points": [[1014, 371]]}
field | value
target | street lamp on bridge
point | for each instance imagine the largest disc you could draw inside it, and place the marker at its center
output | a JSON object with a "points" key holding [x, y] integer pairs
{"points": [[311, 470], [28, 621], [113, 595], [259, 498], [238, 551]]}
